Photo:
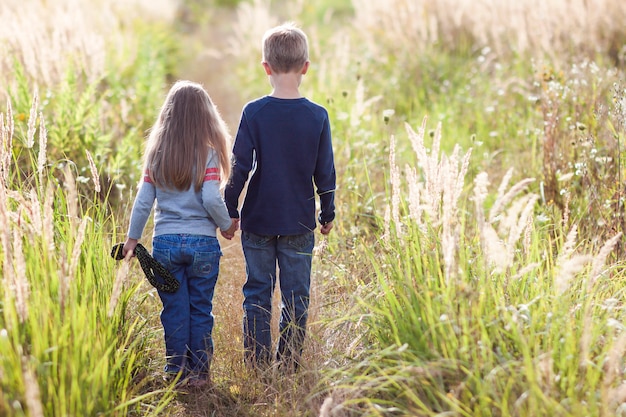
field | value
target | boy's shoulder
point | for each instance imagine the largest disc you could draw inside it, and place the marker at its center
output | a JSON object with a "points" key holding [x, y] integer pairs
{"points": [[256, 103], [261, 102], [315, 105]]}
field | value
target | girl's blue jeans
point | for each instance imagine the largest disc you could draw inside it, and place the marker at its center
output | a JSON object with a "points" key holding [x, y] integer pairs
{"points": [[263, 254], [187, 316]]}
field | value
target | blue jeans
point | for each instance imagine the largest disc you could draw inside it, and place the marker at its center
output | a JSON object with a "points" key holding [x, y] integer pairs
{"points": [[292, 255], [187, 316]]}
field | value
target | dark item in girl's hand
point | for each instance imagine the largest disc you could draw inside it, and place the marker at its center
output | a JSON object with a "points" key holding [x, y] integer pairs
{"points": [[151, 268]]}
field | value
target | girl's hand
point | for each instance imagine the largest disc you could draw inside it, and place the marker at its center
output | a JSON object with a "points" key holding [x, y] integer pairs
{"points": [[129, 246]]}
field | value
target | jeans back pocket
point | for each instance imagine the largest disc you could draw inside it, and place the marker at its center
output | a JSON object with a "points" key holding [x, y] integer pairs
{"points": [[302, 242], [204, 263]]}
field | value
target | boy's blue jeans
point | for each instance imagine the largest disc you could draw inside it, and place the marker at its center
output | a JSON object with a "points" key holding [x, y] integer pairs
{"points": [[187, 316], [293, 255]]}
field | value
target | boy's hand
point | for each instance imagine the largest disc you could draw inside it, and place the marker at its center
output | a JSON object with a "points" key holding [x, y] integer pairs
{"points": [[326, 228], [230, 232]]}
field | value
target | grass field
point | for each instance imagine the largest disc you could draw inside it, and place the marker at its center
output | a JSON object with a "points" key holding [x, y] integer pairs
{"points": [[476, 265]]}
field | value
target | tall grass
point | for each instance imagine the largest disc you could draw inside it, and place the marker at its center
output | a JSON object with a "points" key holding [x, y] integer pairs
{"points": [[475, 299], [82, 87], [51, 38], [478, 312], [96, 71], [64, 323], [583, 135], [541, 28], [553, 113]]}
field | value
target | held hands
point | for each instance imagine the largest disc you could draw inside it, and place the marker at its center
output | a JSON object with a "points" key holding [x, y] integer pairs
{"points": [[326, 228], [230, 232]]}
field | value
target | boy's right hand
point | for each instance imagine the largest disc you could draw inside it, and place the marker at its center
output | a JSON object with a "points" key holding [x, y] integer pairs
{"points": [[230, 232]]}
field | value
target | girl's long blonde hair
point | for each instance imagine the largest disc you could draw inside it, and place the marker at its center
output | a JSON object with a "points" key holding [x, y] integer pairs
{"points": [[188, 126]]}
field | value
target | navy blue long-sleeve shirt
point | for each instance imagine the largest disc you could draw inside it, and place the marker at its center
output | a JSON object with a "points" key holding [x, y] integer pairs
{"points": [[284, 148]]}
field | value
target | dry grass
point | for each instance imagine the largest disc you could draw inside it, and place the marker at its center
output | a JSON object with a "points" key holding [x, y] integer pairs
{"points": [[506, 264], [552, 27], [432, 202], [51, 37]]}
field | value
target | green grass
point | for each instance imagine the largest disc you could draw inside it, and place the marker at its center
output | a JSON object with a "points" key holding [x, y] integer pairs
{"points": [[71, 341], [485, 344], [65, 320], [538, 335]]}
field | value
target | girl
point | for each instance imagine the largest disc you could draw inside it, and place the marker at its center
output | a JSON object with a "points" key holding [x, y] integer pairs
{"points": [[187, 153]]}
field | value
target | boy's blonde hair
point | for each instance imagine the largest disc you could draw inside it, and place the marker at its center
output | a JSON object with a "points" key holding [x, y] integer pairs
{"points": [[188, 126], [285, 48]]}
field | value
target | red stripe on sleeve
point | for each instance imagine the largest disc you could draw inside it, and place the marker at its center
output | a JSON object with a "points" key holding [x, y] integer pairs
{"points": [[212, 174]]}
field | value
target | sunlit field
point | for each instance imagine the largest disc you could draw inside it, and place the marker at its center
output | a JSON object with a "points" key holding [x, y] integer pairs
{"points": [[476, 264]]}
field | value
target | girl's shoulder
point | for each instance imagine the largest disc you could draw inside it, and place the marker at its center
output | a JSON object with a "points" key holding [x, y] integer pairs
{"points": [[212, 158]]}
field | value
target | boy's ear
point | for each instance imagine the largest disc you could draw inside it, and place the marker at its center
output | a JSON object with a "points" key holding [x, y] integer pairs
{"points": [[305, 68], [267, 68]]}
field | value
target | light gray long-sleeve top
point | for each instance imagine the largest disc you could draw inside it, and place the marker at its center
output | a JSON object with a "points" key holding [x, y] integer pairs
{"points": [[181, 212]]}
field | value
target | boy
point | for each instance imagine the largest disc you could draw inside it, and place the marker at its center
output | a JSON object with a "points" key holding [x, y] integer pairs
{"points": [[284, 141]]}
